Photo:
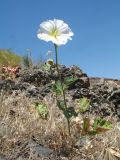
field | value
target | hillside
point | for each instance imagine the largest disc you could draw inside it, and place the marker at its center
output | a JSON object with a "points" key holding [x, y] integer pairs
{"points": [[8, 58], [28, 131]]}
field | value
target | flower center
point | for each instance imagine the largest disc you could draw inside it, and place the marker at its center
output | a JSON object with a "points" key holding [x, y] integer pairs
{"points": [[54, 33]]}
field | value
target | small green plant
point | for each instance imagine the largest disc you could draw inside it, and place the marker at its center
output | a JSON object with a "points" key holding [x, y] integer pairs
{"points": [[42, 110], [101, 125], [83, 103], [48, 65], [60, 87], [98, 126], [59, 33]]}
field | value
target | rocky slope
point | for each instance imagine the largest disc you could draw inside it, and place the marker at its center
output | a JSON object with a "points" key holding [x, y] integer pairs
{"points": [[25, 135], [104, 94]]}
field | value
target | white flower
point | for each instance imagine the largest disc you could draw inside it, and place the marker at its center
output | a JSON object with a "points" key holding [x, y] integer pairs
{"points": [[56, 31]]}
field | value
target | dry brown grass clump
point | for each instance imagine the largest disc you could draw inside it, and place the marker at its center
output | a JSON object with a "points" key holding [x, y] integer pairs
{"points": [[20, 122]]}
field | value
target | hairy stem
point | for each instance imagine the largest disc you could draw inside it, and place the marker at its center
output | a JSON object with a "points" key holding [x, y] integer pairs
{"points": [[63, 91]]}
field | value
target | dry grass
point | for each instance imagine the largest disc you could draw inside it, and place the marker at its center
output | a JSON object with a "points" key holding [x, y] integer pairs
{"points": [[19, 122]]}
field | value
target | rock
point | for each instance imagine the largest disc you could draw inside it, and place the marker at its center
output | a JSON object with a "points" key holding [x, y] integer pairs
{"points": [[118, 111], [85, 92], [31, 147], [38, 149], [115, 97], [76, 71], [79, 93], [7, 84], [65, 72], [33, 91], [44, 91], [83, 142], [21, 86], [105, 110], [104, 94], [36, 77], [2, 157], [79, 83], [75, 93]]}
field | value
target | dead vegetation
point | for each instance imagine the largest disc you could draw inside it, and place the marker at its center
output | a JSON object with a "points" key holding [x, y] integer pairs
{"points": [[20, 123]]}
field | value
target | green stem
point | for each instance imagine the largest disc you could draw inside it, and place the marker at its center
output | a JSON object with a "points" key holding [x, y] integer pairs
{"points": [[56, 52], [64, 97], [68, 123]]}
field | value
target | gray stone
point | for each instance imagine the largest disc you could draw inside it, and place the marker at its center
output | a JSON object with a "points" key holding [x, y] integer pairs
{"points": [[115, 97], [7, 84], [36, 77], [83, 141], [38, 149], [2, 157]]}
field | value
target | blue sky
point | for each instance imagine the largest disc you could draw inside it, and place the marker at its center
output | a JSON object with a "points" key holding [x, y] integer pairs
{"points": [[96, 25]]}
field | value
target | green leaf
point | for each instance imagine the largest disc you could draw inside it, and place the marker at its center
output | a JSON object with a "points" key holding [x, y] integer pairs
{"points": [[42, 110], [84, 104], [101, 123], [46, 67], [69, 112], [57, 87], [69, 80]]}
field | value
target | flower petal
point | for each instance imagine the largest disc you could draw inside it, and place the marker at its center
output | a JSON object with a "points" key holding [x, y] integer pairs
{"points": [[47, 26]]}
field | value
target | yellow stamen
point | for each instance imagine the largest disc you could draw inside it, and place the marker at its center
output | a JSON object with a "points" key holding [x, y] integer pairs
{"points": [[54, 33]]}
